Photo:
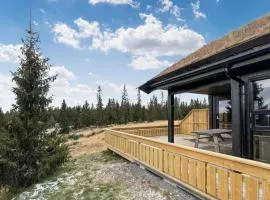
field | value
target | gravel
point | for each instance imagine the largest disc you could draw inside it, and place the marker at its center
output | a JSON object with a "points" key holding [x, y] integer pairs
{"points": [[140, 183]]}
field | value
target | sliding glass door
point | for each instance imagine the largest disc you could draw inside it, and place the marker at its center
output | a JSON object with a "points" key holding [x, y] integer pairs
{"points": [[260, 119]]}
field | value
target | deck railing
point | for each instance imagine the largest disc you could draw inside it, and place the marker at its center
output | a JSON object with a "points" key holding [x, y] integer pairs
{"points": [[151, 131], [212, 175], [196, 119]]}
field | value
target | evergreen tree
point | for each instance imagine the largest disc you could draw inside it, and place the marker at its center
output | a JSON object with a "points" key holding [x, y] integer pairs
{"points": [[2, 119], [99, 111], [85, 115], [64, 118], [125, 106], [29, 151], [138, 108]]}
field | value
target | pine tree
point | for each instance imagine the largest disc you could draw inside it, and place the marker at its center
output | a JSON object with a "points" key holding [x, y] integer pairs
{"points": [[30, 151], [64, 118]]}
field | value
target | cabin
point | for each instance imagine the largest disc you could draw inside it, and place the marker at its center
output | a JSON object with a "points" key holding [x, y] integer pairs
{"points": [[234, 71]]}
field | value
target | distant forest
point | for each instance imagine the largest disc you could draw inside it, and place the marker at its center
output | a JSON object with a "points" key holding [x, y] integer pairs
{"points": [[113, 112]]}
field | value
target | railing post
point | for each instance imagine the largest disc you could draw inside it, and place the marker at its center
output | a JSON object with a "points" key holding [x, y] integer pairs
{"points": [[170, 117]]}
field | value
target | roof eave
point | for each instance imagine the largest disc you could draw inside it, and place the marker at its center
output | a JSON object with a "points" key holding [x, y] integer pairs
{"points": [[161, 81]]}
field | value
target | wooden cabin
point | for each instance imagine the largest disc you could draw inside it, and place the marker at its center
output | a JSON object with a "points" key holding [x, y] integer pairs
{"points": [[234, 72]]}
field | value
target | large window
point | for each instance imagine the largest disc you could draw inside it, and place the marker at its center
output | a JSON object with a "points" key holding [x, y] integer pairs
{"points": [[261, 120]]}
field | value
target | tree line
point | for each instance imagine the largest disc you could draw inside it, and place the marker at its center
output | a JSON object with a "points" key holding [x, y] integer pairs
{"points": [[114, 112], [119, 112]]}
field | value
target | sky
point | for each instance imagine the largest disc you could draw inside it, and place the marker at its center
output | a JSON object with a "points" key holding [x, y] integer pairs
{"points": [[114, 42]]}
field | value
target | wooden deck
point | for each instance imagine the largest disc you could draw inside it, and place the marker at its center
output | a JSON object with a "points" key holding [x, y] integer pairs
{"points": [[208, 174]]}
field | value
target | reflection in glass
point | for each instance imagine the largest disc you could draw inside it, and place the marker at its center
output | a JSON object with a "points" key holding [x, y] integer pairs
{"points": [[261, 144], [262, 120], [225, 114], [261, 94]]}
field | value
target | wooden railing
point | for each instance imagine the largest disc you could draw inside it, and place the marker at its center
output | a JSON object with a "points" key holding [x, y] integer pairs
{"points": [[151, 131], [196, 119], [212, 175]]}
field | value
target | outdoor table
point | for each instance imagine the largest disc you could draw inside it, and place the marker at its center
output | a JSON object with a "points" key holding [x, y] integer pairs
{"points": [[213, 134]]}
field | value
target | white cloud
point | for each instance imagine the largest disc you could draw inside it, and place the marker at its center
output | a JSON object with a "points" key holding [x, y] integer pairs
{"points": [[116, 2], [62, 88], [63, 76], [9, 52], [66, 35], [196, 10], [152, 38], [169, 6], [6, 85], [148, 61]]}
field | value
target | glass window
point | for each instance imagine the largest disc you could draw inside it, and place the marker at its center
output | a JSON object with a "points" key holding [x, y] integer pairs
{"points": [[261, 142], [225, 114], [262, 120], [261, 94]]}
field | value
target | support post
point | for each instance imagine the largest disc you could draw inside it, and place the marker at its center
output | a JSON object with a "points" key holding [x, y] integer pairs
{"points": [[170, 117], [236, 118], [210, 100], [213, 112]]}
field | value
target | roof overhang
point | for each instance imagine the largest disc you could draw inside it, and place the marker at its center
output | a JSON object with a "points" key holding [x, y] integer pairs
{"points": [[236, 57]]}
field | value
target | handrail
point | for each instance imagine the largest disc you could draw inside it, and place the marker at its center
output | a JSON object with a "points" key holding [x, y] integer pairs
{"points": [[211, 174]]}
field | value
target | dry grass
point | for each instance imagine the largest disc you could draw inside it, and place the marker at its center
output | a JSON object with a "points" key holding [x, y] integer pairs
{"points": [[87, 145]]}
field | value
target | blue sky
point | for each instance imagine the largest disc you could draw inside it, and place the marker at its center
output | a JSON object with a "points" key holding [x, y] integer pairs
{"points": [[114, 42]]}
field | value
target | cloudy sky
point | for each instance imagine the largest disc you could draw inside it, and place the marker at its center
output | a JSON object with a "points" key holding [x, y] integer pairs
{"points": [[114, 42]]}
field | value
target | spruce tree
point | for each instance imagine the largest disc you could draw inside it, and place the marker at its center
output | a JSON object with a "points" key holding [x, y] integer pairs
{"points": [[30, 150], [64, 118], [125, 107], [99, 110]]}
